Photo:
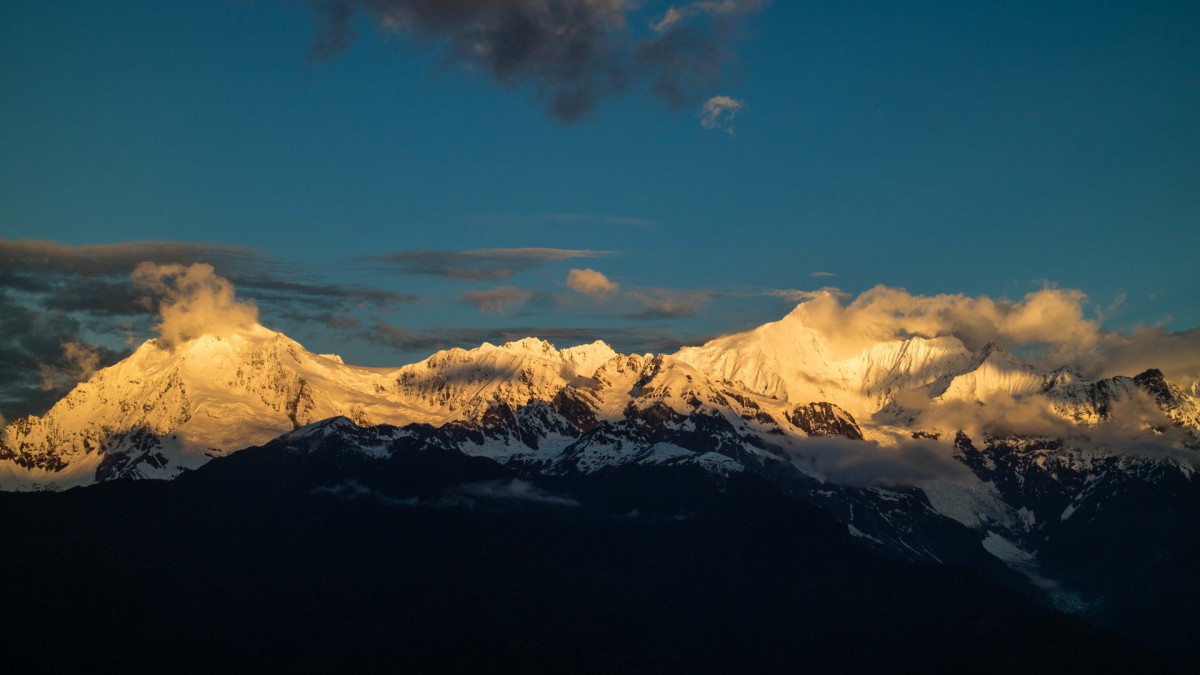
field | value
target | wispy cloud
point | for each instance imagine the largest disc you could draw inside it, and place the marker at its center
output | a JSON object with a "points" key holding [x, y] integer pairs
{"points": [[571, 54], [820, 275], [500, 300], [515, 490], [79, 361], [598, 218], [663, 303], [589, 219], [95, 277], [495, 264], [676, 15]]}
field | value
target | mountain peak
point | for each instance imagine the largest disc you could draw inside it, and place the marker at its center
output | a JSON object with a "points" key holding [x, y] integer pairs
{"points": [[532, 345], [587, 359]]}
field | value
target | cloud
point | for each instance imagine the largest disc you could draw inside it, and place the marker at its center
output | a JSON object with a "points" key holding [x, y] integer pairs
{"points": [[675, 15], [571, 53], [494, 264], [584, 219], [31, 265], [597, 218], [352, 490], [592, 283], [31, 341], [822, 274], [1050, 327], [1051, 318], [79, 361], [501, 300], [866, 464], [193, 301], [1135, 426], [719, 112], [662, 303], [515, 490], [1176, 353], [94, 278]]}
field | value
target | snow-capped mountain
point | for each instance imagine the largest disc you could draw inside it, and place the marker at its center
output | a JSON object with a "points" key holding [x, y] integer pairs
{"points": [[168, 408], [922, 446]]}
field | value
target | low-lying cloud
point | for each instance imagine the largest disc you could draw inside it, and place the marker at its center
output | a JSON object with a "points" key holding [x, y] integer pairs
{"points": [[515, 490], [867, 464], [573, 54], [1049, 326]]}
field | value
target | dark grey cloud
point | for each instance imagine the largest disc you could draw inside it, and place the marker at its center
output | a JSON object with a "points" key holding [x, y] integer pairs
{"points": [[53, 295], [94, 278], [625, 340], [36, 367], [31, 265], [570, 53], [493, 264]]}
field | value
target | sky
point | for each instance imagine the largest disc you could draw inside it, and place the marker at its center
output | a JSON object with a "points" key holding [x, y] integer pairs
{"points": [[384, 179]]}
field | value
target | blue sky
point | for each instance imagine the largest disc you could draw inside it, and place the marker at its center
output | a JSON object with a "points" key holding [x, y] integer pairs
{"points": [[943, 147]]}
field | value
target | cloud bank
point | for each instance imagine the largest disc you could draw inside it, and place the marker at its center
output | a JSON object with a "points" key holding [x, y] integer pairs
{"points": [[1049, 328], [572, 54]]}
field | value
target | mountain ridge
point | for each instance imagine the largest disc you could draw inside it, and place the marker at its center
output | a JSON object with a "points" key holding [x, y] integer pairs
{"points": [[212, 395]]}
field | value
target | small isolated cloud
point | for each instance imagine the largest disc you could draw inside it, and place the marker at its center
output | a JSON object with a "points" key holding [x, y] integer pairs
{"points": [[193, 301], [495, 264], [501, 300], [823, 274], [719, 112], [592, 283]]}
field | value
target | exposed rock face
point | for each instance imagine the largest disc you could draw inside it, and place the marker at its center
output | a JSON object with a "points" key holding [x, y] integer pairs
{"points": [[825, 419]]}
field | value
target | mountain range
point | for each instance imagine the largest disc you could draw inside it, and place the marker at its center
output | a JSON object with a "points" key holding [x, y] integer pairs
{"points": [[1078, 493]]}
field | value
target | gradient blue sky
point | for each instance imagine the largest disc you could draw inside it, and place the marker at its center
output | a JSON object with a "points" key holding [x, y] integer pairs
{"points": [[944, 147]]}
